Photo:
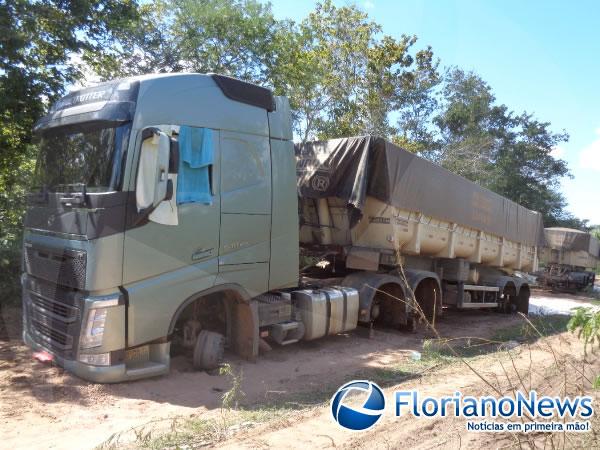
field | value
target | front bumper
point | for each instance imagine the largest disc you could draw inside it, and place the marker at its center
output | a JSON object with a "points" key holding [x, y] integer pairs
{"points": [[103, 374]]}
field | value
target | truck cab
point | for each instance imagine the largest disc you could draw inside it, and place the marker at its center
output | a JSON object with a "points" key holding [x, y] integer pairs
{"points": [[154, 192]]}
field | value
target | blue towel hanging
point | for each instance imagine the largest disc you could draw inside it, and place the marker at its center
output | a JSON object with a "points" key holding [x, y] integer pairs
{"points": [[196, 153]]}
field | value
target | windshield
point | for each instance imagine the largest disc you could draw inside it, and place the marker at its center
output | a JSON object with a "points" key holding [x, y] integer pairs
{"points": [[84, 154]]}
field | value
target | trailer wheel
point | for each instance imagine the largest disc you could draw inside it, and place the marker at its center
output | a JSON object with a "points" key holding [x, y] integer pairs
{"points": [[523, 300], [509, 304], [410, 326], [428, 297], [209, 350]]}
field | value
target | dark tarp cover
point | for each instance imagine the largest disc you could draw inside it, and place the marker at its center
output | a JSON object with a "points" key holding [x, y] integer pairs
{"points": [[353, 168], [572, 240]]}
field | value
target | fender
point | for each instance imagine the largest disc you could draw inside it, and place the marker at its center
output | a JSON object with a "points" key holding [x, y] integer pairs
{"points": [[367, 284], [414, 277], [236, 289]]}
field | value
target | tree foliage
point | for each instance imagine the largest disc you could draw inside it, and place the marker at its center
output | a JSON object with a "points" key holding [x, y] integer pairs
{"points": [[351, 77], [586, 323], [506, 152], [232, 37]]}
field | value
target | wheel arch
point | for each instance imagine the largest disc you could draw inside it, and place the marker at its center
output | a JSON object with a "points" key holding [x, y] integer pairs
{"points": [[415, 278], [367, 285], [242, 317]]}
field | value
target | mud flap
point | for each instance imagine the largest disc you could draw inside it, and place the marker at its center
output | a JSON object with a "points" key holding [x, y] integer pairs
{"points": [[244, 329]]}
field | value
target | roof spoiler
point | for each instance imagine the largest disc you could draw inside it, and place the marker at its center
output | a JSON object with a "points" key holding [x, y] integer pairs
{"points": [[244, 92]]}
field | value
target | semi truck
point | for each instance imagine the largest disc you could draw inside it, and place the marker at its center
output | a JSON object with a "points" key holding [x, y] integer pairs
{"points": [[569, 260], [174, 213]]}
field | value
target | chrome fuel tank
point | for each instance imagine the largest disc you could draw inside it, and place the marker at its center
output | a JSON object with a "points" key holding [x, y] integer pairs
{"points": [[326, 311]]}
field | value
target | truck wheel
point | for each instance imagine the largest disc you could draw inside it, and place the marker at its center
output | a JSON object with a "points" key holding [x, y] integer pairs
{"points": [[509, 304], [209, 350], [523, 301], [410, 326]]}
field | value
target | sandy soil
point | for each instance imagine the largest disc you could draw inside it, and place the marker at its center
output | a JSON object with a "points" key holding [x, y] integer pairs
{"points": [[42, 406], [545, 302], [534, 364]]}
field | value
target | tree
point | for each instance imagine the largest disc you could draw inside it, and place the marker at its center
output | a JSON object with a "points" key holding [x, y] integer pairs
{"points": [[230, 37], [505, 152], [354, 79], [416, 104]]}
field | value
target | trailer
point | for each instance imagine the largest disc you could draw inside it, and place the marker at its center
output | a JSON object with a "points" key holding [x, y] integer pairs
{"points": [[374, 207], [570, 259], [174, 213]]}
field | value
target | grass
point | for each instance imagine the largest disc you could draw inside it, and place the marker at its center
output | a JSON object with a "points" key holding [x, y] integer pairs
{"points": [[198, 432], [593, 295], [546, 325]]}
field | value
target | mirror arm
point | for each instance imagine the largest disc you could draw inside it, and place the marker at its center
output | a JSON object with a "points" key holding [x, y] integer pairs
{"points": [[149, 132], [169, 194], [174, 156]]}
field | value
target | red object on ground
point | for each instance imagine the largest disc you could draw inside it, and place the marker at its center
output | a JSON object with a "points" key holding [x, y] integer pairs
{"points": [[43, 357]]}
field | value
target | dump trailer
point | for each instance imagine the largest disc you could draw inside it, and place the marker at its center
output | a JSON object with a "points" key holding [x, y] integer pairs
{"points": [[569, 259], [174, 214]]}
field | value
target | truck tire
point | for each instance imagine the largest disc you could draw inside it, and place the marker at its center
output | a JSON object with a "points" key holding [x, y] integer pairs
{"points": [[509, 304], [523, 301], [209, 350]]}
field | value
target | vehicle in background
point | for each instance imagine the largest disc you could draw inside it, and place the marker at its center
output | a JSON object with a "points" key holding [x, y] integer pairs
{"points": [[570, 259], [173, 210]]}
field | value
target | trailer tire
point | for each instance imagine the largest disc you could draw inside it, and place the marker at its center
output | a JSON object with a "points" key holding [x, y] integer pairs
{"points": [[428, 297], [523, 300], [509, 304], [410, 326], [209, 350]]}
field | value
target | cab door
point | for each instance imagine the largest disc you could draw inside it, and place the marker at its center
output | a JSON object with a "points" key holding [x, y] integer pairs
{"points": [[245, 193], [166, 264]]}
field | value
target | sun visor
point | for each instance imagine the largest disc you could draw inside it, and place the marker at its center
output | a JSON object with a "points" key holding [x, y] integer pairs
{"points": [[107, 102]]}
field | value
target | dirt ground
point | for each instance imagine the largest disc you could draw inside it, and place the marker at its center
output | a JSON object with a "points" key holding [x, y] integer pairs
{"points": [[42, 406]]}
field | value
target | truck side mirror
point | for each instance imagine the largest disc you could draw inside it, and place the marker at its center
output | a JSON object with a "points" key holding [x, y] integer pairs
{"points": [[153, 169]]}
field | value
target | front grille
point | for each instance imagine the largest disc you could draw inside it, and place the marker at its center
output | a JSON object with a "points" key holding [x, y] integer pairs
{"points": [[65, 266], [54, 309], [52, 336], [52, 315]]}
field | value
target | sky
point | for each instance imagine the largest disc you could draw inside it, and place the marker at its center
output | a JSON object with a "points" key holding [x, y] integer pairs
{"points": [[538, 56]]}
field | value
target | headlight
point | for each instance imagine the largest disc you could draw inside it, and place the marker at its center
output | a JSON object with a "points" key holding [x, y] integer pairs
{"points": [[94, 328], [100, 359]]}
